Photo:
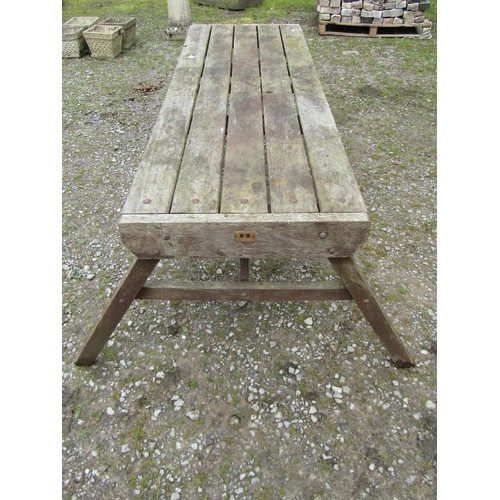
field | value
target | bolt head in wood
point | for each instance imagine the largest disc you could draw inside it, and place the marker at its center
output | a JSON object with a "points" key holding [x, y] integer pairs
{"points": [[323, 235]]}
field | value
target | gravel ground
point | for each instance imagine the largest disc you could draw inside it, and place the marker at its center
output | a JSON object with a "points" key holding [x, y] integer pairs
{"points": [[244, 400]]}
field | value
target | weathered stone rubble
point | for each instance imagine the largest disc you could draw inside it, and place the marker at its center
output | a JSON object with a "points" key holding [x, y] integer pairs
{"points": [[377, 12]]}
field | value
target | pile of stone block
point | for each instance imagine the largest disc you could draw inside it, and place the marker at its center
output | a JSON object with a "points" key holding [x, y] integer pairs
{"points": [[374, 12]]}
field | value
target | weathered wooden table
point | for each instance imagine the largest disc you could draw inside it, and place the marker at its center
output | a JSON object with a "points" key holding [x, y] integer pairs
{"points": [[244, 161]]}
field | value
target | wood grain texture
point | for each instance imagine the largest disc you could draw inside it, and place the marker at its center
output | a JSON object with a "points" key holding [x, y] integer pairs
{"points": [[244, 187], [246, 290], [276, 235], [274, 71], [152, 189], [336, 186], [257, 136], [291, 187], [198, 184], [245, 71]]}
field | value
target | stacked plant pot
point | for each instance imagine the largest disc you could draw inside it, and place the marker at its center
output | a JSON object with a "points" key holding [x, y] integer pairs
{"points": [[104, 40], [73, 41]]}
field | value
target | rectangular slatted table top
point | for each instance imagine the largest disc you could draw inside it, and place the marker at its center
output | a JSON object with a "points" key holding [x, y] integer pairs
{"points": [[245, 159]]}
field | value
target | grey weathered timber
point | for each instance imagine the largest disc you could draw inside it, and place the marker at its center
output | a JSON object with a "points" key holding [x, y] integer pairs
{"points": [[291, 186], [368, 303], [216, 235], [244, 185], [336, 186], [243, 290], [118, 305], [153, 186], [198, 184], [179, 19], [245, 161]]}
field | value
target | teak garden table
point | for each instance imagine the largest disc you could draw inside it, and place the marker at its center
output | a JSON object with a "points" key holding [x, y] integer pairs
{"points": [[244, 161]]}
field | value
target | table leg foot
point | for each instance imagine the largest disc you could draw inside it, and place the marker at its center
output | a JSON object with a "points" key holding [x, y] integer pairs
{"points": [[117, 306], [367, 301]]}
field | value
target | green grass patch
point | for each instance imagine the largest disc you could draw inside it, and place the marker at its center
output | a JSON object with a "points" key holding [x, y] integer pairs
{"points": [[74, 8], [269, 10]]}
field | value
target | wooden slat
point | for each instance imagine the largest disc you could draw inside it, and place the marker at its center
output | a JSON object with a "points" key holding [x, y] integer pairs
{"points": [[198, 184], [213, 235], [244, 290], [336, 186], [274, 71], [154, 182], [245, 72], [195, 47], [291, 185], [244, 182], [220, 47], [375, 30]]}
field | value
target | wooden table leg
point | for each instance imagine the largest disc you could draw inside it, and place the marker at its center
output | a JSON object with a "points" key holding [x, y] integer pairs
{"points": [[244, 269], [117, 306], [366, 300]]}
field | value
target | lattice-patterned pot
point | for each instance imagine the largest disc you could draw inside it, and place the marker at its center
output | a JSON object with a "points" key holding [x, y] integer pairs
{"points": [[105, 41], [82, 22], [73, 43], [127, 25]]}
